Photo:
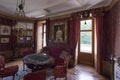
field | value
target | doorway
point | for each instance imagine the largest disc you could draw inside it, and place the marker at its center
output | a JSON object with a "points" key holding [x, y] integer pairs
{"points": [[86, 42]]}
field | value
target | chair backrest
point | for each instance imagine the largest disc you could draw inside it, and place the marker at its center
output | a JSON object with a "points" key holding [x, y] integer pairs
{"points": [[2, 62], [37, 75], [28, 51]]}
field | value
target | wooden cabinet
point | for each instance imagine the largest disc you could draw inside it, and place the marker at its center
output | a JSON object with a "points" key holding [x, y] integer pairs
{"points": [[24, 34]]}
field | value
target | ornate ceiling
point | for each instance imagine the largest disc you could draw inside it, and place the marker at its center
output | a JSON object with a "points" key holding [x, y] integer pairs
{"points": [[40, 8]]}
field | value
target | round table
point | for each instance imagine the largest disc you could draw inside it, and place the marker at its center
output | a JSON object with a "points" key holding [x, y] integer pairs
{"points": [[38, 61]]}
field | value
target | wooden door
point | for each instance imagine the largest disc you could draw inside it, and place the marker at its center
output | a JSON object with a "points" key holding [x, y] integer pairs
{"points": [[86, 42]]}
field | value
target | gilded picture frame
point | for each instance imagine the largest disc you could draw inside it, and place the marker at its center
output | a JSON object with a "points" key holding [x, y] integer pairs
{"points": [[59, 32], [5, 30], [4, 40]]}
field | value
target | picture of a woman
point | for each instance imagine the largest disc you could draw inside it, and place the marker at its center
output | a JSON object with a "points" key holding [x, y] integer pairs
{"points": [[59, 32], [59, 35]]}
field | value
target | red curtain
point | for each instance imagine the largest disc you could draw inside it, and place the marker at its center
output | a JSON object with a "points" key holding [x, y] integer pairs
{"points": [[76, 29], [99, 35], [35, 36], [47, 31]]}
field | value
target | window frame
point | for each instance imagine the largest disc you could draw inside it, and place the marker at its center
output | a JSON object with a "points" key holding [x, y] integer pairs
{"points": [[92, 30]]}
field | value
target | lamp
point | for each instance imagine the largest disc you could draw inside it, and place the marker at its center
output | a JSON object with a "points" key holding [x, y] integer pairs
{"points": [[19, 14]]}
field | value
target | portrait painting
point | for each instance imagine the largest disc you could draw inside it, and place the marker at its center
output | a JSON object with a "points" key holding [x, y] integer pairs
{"points": [[5, 30], [59, 32]]}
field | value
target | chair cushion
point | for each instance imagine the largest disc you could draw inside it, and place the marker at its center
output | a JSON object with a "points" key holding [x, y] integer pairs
{"points": [[63, 54]]}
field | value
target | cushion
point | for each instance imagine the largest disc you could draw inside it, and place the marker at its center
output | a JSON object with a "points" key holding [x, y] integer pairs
{"points": [[63, 54]]}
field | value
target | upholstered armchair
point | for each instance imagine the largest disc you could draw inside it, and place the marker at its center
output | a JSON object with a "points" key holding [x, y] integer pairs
{"points": [[60, 71], [37, 75], [7, 71], [61, 55]]}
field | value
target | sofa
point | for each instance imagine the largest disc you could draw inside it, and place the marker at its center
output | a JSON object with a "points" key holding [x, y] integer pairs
{"points": [[60, 55]]}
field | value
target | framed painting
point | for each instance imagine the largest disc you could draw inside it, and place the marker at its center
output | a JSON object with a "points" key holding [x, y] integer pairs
{"points": [[4, 40], [59, 32], [5, 30]]}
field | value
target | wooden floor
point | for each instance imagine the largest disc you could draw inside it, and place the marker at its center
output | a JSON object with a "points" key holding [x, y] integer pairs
{"points": [[80, 72]]}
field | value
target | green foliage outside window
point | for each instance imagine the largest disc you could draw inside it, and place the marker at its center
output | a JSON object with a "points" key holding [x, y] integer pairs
{"points": [[86, 37]]}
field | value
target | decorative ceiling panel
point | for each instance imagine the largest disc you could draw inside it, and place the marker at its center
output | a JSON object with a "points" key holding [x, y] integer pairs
{"points": [[37, 8]]}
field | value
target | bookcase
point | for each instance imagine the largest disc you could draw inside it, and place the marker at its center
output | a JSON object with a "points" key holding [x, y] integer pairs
{"points": [[24, 32]]}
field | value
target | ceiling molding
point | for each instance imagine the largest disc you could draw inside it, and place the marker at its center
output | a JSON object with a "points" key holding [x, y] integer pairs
{"points": [[9, 16], [73, 10], [53, 8], [60, 17], [111, 5], [5, 15]]}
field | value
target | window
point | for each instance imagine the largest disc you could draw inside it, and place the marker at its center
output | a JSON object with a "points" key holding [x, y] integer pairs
{"points": [[86, 36], [44, 36], [41, 36]]}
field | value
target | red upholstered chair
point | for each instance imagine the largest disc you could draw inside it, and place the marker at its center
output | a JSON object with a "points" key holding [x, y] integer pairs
{"points": [[28, 51], [37, 75], [7, 71], [60, 71], [25, 53]]}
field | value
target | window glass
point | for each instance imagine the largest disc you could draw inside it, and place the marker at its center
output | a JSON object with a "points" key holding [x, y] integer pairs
{"points": [[86, 42], [86, 25]]}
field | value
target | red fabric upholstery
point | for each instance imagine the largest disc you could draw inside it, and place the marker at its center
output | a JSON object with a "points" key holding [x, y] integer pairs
{"points": [[55, 52], [2, 62], [28, 51], [38, 75], [7, 71], [60, 71]]}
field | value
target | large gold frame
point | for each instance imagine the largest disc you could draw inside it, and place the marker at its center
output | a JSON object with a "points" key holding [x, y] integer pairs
{"points": [[62, 25]]}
